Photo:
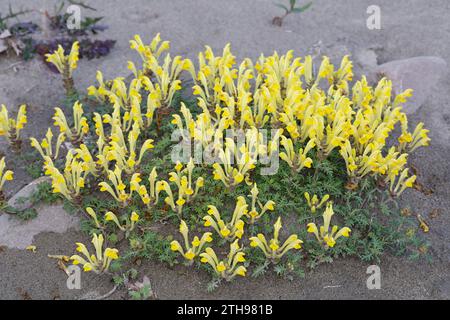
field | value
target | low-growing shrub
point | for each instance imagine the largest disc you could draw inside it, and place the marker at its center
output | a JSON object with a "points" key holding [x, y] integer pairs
{"points": [[206, 166]]}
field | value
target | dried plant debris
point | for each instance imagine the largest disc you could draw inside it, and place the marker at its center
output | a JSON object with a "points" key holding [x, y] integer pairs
{"points": [[22, 37], [89, 49]]}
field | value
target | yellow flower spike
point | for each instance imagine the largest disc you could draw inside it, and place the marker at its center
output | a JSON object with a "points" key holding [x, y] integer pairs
{"points": [[191, 248], [270, 205], [7, 175], [234, 228], [87, 267], [273, 250], [109, 216], [345, 232], [240, 271], [97, 241], [184, 231], [224, 232], [175, 246], [397, 186], [82, 248], [93, 215], [65, 64], [173, 177], [11, 128], [274, 245], [277, 227], [71, 181], [323, 234], [195, 242], [80, 128], [315, 203], [98, 263], [327, 218], [117, 188], [178, 167], [73, 56], [297, 161], [312, 228], [419, 138], [77, 260], [199, 184], [238, 177], [112, 254], [229, 268], [253, 213]]}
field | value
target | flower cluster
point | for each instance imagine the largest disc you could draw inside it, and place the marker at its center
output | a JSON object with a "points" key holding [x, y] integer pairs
{"points": [[66, 64], [98, 262], [323, 234], [228, 230], [273, 249], [314, 202], [10, 127], [257, 209], [284, 92], [7, 175], [192, 248], [230, 267], [315, 116], [80, 126], [186, 191]]}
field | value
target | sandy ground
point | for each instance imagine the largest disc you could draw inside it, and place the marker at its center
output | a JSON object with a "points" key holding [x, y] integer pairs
{"points": [[409, 28]]}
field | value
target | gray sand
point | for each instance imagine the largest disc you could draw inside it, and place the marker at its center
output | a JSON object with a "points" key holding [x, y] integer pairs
{"points": [[409, 28]]}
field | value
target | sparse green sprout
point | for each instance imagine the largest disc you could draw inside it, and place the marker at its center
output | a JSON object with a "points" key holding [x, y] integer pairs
{"points": [[278, 21]]}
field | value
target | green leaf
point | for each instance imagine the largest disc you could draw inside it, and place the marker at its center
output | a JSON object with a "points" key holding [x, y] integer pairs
{"points": [[302, 8], [292, 3], [279, 5]]}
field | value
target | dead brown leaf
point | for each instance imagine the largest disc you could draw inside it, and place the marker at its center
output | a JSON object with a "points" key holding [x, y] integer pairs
{"points": [[421, 188], [63, 267], [406, 212], [436, 212], [24, 294], [351, 186]]}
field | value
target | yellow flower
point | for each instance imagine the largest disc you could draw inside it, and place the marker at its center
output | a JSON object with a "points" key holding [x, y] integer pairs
{"points": [[8, 175], [31, 248], [192, 249], [175, 246], [324, 234], [225, 232], [134, 217], [273, 249], [221, 267], [98, 262], [234, 228], [10, 127], [113, 254], [189, 255], [254, 214], [314, 202], [65, 63], [229, 268]]}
